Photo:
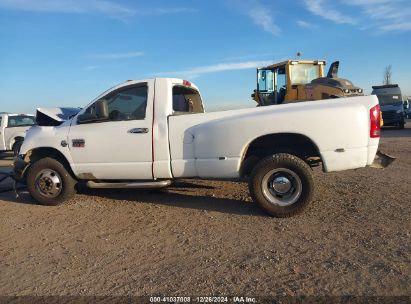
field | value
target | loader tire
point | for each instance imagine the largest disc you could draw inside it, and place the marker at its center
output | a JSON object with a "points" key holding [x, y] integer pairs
{"points": [[49, 182], [282, 184]]}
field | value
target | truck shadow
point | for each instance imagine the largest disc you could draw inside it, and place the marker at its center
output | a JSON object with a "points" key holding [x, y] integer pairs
{"points": [[173, 197], [176, 197], [8, 195], [187, 184]]}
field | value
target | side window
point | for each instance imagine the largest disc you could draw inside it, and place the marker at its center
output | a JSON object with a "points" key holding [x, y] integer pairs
{"points": [[21, 121], [281, 78], [186, 100], [126, 104], [280, 84], [12, 122]]}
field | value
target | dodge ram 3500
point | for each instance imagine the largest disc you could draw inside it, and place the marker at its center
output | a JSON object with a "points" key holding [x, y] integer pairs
{"points": [[145, 134]]}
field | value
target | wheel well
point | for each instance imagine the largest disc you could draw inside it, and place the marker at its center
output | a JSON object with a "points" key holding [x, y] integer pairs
{"points": [[39, 153], [16, 139], [295, 144]]}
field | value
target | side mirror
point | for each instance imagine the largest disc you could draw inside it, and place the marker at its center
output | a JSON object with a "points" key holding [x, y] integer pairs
{"points": [[101, 109]]}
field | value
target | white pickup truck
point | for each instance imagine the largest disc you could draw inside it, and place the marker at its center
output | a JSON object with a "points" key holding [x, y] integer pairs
{"points": [[145, 134], [13, 129]]}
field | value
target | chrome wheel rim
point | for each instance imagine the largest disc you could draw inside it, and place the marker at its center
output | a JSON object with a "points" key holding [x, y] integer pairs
{"points": [[49, 183], [281, 187]]}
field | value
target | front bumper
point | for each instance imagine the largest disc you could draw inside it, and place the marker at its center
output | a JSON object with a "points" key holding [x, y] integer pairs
{"points": [[20, 168]]}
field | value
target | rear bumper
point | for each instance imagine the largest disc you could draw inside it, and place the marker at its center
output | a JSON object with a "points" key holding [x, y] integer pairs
{"points": [[356, 158], [20, 168]]}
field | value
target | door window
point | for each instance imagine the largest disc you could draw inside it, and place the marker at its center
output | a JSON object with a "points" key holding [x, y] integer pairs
{"points": [[280, 78], [125, 104], [265, 80], [280, 84]]}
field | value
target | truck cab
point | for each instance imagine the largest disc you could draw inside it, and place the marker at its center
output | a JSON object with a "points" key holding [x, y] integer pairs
{"points": [[391, 103], [124, 133], [127, 121], [13, 129]]}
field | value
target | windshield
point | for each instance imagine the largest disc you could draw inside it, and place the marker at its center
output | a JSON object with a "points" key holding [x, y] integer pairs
{"points": [[21, 121], [389, 99], [304, 73]]}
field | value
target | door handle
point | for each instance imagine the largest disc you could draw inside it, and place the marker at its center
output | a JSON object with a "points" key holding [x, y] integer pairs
{"points": [[138, 130]]}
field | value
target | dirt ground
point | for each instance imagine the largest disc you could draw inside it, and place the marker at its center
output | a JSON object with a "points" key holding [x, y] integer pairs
{"points": [[207, 238]]}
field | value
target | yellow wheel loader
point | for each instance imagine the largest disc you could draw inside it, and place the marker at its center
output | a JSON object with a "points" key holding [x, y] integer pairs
{"points": [[301, 80]]}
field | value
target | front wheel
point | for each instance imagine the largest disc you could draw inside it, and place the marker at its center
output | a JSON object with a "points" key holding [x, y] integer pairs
{"points": [[49, 182], [401, 125], [282, 184]]}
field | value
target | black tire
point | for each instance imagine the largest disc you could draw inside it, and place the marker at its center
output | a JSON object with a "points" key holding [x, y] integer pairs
{"points": [[44, 170], [16, 147], [299, 177], [401, 125]]}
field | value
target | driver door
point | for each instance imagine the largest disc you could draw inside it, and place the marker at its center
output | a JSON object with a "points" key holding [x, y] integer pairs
{"points": [[120, 147]]}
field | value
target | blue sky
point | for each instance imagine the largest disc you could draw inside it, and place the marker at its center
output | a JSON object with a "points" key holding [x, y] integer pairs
{"points": [[66, 52]]}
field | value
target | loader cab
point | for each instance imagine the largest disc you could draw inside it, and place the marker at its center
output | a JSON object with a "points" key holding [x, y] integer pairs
{"points": [[285, 81], [271, 85]]}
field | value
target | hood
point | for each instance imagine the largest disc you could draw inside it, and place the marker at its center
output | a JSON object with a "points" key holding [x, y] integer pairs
{"points": [[54, 116]]}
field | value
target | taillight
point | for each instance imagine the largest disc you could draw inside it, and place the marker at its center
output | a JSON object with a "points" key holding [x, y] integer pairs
{"points": [[375, 120]]}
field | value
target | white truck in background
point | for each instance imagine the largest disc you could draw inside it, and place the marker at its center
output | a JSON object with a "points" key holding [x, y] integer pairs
{"points": [[13, 128], [145, 134]]}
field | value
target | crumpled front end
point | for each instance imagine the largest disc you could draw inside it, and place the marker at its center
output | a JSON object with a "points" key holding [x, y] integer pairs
{"points": [[51, 117]]}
